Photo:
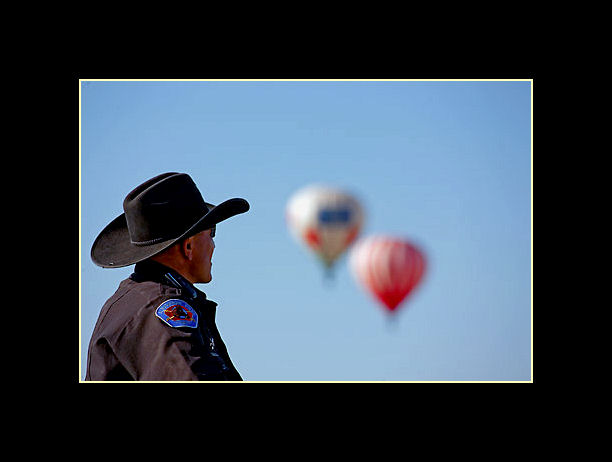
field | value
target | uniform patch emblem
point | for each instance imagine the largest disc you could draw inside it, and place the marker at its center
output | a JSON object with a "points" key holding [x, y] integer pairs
{"points": [[177, 313]]}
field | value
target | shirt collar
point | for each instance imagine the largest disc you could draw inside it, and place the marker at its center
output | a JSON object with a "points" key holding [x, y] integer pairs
{"points": [[150, 270]]}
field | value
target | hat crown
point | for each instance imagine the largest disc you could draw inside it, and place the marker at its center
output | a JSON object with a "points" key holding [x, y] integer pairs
{"points": [[163, 208]]}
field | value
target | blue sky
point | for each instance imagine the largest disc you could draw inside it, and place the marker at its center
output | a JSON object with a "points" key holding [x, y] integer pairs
{"points": [[445, 164]]}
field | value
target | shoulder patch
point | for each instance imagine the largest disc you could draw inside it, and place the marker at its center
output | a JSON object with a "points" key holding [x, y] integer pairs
{"points": [[177, 313]]}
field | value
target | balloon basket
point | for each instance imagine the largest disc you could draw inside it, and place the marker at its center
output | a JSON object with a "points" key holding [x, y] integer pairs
{"points": [[329, 277], [391, 322]]}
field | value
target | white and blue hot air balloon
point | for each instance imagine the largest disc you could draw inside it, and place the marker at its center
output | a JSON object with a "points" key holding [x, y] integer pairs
{"points": [[325, 219]]}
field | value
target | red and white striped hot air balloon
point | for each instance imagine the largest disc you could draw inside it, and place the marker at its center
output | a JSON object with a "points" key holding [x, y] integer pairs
{"points": [[388, 267], [324, 219]]}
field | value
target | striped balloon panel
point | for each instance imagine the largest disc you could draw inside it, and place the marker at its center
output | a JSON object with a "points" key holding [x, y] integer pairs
{"points": [[389, 268]]}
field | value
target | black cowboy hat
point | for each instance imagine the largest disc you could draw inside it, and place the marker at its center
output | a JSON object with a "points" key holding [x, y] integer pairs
{"points": [[157, 214]]}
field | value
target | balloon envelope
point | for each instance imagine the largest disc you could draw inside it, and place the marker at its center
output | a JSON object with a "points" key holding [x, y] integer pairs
{"points": [[324, 219], [388, 267]]}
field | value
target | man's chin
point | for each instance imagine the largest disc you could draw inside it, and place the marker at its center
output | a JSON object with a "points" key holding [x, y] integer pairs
{"points": [[205, 280]]}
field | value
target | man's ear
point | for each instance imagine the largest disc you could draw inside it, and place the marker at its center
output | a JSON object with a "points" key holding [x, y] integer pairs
{"points": [[187, 247]]}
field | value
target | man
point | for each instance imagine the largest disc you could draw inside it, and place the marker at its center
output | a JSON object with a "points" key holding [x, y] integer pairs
{"points": [[158, 325]]}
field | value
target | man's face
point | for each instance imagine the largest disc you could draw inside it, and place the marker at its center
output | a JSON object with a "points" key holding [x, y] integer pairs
{"points": [[203, 246]]}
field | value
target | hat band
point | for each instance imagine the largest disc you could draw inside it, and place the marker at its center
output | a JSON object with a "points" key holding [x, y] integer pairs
{"points": [[152, 241], [172, 235]]}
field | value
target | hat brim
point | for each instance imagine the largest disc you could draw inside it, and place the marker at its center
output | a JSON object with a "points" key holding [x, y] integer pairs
{"points": [[114, 249]]}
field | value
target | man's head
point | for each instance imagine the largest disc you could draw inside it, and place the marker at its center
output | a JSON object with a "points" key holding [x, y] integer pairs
{"points": [[191, 257], [160, 214]]}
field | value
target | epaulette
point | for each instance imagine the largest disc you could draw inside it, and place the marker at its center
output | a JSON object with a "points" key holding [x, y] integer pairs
{"points": [[180, 282]]}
